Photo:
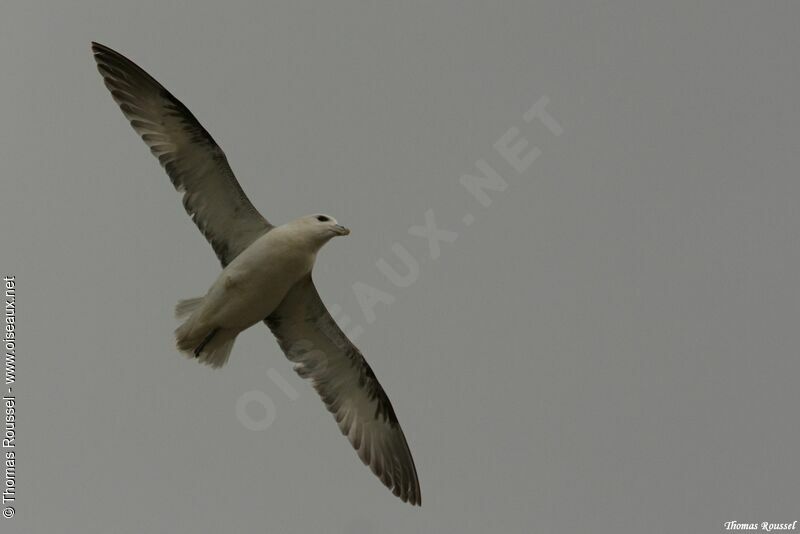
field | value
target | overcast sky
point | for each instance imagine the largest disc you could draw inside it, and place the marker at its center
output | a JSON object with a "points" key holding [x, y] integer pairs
{"points": [[608, 342]]}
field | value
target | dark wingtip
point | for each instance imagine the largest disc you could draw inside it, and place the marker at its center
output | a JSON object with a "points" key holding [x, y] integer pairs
{"points": [[418, 500], [99, 49]]}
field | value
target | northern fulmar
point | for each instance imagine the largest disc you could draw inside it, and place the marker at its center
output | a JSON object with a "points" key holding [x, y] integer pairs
{"points": [[266, 275]]}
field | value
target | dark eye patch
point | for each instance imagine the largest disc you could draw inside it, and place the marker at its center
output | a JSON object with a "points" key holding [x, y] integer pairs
{"points": [[323, 218]]}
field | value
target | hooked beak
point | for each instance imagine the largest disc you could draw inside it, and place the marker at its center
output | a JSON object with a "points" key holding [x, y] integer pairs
{"points": [[341, 230]]}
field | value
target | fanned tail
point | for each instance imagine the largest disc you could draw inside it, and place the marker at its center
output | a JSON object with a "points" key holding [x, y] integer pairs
{"points": [[215, 354], [207, 344], [185, 307]]}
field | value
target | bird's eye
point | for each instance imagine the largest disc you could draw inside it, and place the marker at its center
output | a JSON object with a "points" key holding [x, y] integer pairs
{"points": [[322, 218]]}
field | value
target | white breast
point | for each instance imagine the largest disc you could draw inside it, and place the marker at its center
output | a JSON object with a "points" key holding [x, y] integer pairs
{"points": [[256, 281]]}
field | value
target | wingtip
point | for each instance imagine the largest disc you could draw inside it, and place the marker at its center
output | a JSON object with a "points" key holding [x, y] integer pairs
{"points": [[412, 495], [414, 501], [99, 48], [418, 500]]}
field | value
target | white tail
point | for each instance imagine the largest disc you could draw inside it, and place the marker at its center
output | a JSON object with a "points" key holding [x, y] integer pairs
{"points": [[208, 345], [185, 307], [216, 354], [211, 348]]}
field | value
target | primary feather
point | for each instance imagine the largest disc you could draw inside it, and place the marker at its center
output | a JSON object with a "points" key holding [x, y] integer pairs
{"points": [[265, 275]]}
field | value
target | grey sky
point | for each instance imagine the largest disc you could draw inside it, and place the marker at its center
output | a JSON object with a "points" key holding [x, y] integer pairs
{"points": [[610, 346]]}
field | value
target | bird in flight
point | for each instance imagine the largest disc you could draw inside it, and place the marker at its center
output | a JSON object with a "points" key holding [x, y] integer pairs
{"points": [[266, 276]]}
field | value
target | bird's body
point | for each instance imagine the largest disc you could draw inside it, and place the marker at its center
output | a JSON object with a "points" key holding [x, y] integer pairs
{"points": [[251, 286], [266, 275]]}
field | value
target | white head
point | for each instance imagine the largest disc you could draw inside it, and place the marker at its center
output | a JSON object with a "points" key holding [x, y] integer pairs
{"points": [[318, 228]]}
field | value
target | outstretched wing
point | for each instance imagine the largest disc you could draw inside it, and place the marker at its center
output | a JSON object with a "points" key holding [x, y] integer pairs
{"points": [[322, 353], [194, 162]]}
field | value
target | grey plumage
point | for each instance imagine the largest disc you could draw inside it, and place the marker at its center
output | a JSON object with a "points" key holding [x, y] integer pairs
{"points": [[305, 330], [196, 165], [323, 354]]}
